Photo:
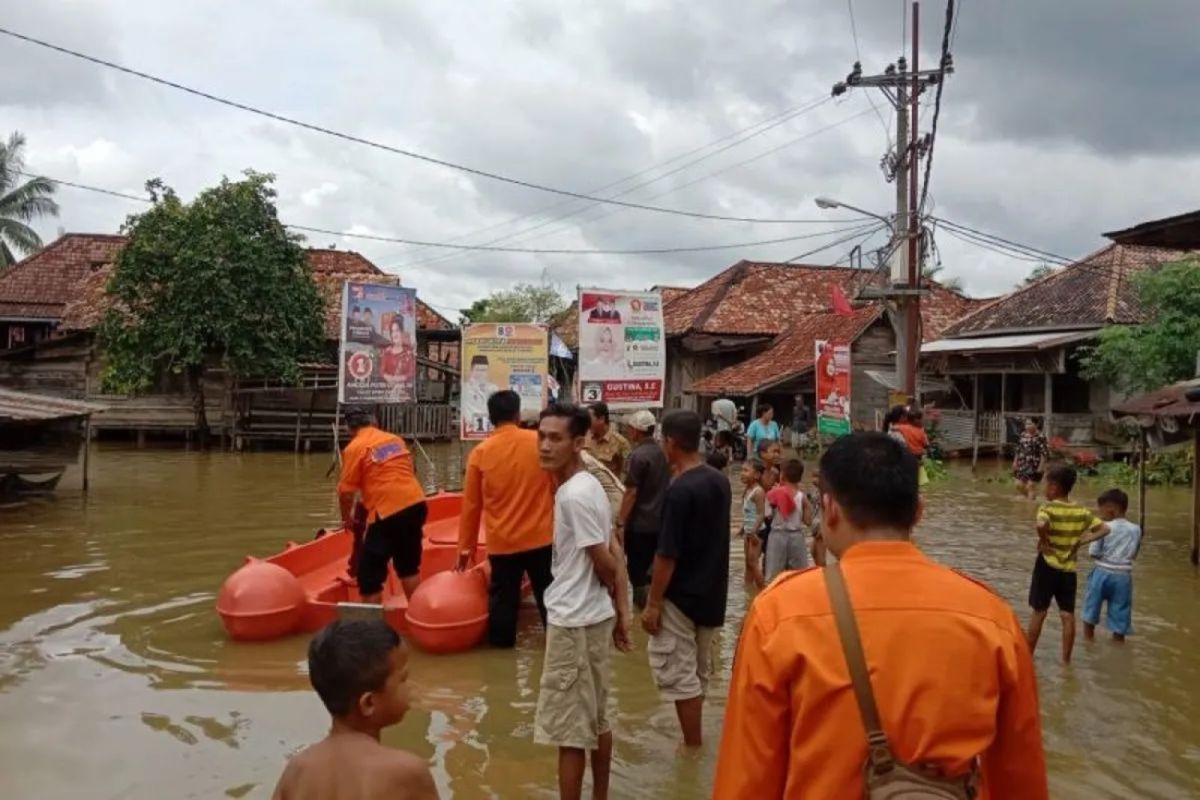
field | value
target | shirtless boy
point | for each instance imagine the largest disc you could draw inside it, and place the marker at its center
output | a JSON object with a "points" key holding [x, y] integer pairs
{"points": [[360, 671]]}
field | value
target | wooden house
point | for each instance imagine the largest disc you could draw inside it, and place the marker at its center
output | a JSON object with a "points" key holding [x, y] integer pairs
{"points": [[60, 290], [1019, 356], [748, 333]]}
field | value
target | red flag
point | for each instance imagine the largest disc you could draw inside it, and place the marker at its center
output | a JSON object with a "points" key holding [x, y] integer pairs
{"points": [[840, 304]]}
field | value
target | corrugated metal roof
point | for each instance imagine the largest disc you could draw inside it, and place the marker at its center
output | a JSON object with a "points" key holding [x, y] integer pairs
{"points": [[25, 406], [1016, 341]]}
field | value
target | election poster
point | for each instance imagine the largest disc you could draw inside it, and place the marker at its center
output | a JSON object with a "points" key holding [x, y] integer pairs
{"points": [[378, 359], [622, 352], [501, 355], [833, 387]]}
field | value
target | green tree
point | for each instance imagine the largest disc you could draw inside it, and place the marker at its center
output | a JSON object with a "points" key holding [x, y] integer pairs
{"points": [[1162, 350], [219, 280], [525, 302], [20, 202], [1036, 274]]}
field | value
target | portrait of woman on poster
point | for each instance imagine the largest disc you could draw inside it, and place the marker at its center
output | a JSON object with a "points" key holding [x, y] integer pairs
{"points": [[398, 363]]}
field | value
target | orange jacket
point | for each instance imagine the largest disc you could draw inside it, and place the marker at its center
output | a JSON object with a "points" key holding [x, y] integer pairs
{"points": [[951, 672], [915, 437], [380, 466], [506, 486]]}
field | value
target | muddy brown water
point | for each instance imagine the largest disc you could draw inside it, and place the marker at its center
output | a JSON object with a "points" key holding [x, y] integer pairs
{"points": [[116, 679]]}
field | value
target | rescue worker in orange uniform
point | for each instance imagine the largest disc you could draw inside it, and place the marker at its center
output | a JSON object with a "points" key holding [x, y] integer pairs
{"points": [[508, 491], [379, 466], [948, 664]]}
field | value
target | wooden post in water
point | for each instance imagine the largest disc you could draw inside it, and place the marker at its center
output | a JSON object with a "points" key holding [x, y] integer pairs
{"points": [[87, 449], [1003, 433], [974, 423], [1142, 479], [1195, 497]]}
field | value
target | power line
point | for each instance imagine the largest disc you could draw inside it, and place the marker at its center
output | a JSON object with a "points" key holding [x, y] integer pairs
{"points": [[378, 145], [568, 251], [750, 132], [937, 101], [887, 132], [1000, 240], [611, 212], [870, 231], [453, 246]]}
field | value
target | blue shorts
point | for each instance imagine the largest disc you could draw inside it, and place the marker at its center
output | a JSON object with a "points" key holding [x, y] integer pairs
{"points": [[1115, 589]]}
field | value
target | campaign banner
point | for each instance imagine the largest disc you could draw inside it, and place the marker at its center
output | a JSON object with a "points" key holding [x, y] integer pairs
{"points": [[378, 359], [501, 355], [833, 387], [622, 350]]}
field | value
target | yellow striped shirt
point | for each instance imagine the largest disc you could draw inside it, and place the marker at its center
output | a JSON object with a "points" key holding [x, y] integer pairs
{"points": [[1067, 522]]}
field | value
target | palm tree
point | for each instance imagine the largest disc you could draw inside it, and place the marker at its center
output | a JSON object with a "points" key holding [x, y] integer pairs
{"points": [[20, 203]]}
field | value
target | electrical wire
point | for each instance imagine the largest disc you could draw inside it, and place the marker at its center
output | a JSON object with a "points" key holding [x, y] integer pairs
{"points": [[870, 231], [750, 132], [379, 145], [453, 246], [1001, 241], [887, 132], [937, 102], [671, 190]]}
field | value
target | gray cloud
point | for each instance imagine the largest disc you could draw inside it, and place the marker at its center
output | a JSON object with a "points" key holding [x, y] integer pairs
{"points": [[1061, 122]]}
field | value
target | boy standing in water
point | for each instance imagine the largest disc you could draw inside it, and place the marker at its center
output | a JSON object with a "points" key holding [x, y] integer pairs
{"points": [[754, 513], [1111, 581], [360, 671], [1062, 527], [792, 516]]}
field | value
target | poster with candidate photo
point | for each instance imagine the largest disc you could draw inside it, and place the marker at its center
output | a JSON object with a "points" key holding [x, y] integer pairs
{"points": [[622, 352], [501, 355], [378, 359], [833, 387]]}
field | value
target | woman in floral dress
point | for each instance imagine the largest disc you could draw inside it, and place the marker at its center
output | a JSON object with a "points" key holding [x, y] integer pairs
{"points": [[1030, 460]]}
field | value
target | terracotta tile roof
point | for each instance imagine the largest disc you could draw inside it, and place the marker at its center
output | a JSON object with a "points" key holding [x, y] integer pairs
{"points": [[669, 293], [41, 285], [789, 357], [755, 298], [65, 281], [1090, 293]]}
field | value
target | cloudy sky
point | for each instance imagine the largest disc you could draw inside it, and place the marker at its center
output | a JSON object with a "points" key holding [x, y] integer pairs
{"points": [[1064, 119]]}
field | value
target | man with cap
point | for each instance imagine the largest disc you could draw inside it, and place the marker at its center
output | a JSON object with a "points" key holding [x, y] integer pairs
{"points": [[379, 466], [640, 516]]}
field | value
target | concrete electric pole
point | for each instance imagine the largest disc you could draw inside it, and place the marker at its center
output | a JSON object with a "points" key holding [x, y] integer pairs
{"points": [[903, 90]]}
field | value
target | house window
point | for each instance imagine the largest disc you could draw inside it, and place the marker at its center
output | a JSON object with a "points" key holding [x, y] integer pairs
{"points": [[16, 336]]}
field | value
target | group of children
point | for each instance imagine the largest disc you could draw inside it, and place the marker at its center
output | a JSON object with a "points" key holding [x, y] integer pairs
{"points": [[1063, 527], [778, 516]]}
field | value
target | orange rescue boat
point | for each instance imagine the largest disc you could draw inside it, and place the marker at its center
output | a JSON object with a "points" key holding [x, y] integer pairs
{"points": [[299, 589]]}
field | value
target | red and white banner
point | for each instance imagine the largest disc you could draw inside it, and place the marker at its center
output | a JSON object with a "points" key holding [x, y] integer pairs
{"points": [[622, 351]]}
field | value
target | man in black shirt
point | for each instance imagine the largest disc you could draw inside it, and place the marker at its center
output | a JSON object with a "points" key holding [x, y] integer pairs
{"points": [[640, 516], [691, 574]]}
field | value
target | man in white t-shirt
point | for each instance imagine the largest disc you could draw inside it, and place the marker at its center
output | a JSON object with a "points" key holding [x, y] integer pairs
{"points": [[587, 606]]}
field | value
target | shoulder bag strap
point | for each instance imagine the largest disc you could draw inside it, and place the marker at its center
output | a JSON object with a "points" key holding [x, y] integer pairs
{"points": [[879, 751]]}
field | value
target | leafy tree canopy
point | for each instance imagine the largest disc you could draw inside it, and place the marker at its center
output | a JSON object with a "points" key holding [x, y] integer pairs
{"points": [[220, 277], [1162, 350], [1036, 274], [525, 302]]}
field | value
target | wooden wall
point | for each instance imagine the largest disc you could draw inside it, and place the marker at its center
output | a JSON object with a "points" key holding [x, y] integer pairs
{"points": [[873, 350]]}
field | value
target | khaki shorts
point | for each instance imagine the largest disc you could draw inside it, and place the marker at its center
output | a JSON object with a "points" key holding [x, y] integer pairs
{"points": [[571, 706], [681, 655]]}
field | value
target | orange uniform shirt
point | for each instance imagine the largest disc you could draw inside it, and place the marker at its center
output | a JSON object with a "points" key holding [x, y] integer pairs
{"points": [[506, 486], [915, 437], [380, 466], [951, 672]]}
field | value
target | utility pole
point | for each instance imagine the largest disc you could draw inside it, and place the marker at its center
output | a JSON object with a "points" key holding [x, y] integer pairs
{"points": [[903, 90]]}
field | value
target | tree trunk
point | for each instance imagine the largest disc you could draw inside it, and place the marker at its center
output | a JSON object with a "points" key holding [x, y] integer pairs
{"points": [[195, 375]]}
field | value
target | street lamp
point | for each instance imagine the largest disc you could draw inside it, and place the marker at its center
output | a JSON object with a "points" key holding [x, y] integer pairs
{"points": [[830, 203]]}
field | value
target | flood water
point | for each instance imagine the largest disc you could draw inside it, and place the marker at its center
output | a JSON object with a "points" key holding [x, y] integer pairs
{"points": [[116, 680]]}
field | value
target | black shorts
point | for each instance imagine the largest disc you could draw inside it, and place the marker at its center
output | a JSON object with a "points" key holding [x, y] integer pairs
{"points": [[1050, 583], [397, 539]]}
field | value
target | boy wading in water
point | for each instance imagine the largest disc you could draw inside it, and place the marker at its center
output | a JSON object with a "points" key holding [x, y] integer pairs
{"points": [[1062, 527], [587, 608], [360, 671], [792, 516], [1111, 581]]}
